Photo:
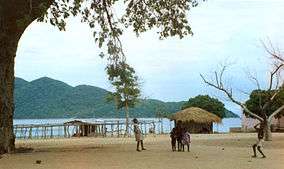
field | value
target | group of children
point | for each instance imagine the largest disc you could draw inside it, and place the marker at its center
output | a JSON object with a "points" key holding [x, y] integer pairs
{"points": [[180, 136]]}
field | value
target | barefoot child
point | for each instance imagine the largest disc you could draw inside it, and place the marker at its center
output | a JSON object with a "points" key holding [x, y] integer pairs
{"points": [[179, 130], [186, 140], [138, 135], [173, 136], [259, 143]]}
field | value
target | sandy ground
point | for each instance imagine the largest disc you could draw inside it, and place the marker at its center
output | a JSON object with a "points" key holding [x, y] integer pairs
{"points": [[218, 151]]}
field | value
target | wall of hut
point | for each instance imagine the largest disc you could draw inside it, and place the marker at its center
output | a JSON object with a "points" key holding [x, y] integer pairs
{"points": [[204, 128]]}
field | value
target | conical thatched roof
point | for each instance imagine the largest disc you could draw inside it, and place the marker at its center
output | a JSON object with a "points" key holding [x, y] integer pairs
{"points": [[195, 114]]}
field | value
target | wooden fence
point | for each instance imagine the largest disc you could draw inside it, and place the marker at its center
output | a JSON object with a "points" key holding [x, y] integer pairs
{"points": [[97, 129]]}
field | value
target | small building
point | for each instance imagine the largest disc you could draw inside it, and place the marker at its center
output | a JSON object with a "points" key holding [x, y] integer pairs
{"points": [[86, 128], [196, 120]]}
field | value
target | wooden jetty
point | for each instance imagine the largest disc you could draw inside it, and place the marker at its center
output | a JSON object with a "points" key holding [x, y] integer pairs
{"points": [[79, 128]]}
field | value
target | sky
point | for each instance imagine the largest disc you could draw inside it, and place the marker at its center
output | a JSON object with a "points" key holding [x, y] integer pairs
{"points": [[225, 32]]}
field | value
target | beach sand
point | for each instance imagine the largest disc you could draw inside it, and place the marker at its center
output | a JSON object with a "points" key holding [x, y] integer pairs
{"points": [[215, 151]]}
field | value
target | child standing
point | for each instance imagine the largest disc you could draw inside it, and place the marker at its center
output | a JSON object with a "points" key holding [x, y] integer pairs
{"points": [[185, 140], [179, 133], [173, 136], [259, 143], [138, 135]]}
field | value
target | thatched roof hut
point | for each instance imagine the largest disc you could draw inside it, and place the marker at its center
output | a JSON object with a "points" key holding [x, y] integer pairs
{"points": [[196, 119], [196, 115]]}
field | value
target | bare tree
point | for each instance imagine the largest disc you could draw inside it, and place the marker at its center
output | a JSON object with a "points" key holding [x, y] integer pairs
{"points": [[273, 87], [274, 52]]}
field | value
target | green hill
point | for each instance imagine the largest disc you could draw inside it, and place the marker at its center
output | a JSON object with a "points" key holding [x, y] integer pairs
{"points": [[229, 114], [49, 98]]}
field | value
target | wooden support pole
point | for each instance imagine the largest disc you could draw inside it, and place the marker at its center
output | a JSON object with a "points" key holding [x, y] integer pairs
{"points": [[96, 130], [41, 132], [145, 128], [99, 130], [111, 130], [58, 134], [76, 132], [162, 127], [27, 132], [51, 132], [82, 128], [118, 129], [21, 136], [26, 129], [105, 130], [36, 133], [65, 132], [102, 130], [45, 132], [68, 131]]}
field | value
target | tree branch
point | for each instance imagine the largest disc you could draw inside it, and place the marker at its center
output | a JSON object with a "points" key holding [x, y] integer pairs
{"points": [[254, 80], [280, 109], [115, 37], [229, 94], [273, 73], [272, 52]]}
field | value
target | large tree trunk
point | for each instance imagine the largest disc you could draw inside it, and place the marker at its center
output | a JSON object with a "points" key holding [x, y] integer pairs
{"points": [[267, 131], [15, 17], [7, 55], [8, 47]]}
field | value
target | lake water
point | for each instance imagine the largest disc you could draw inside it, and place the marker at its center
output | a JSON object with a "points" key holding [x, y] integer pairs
{"points": [[164, 124]]}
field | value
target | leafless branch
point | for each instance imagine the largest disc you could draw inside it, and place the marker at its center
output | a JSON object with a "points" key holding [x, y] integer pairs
{"points": [[279, 63], [221, 76], [273, 74], [228, 92], [244, 92], [276, 54], [254, 79]]}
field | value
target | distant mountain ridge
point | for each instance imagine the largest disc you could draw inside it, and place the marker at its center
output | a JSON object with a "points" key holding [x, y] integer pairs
{"points": [[49, 98]]}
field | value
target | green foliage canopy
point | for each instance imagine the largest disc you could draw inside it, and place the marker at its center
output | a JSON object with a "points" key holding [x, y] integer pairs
{"points": [[207, 103], [123, 78], [258, 98]]}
